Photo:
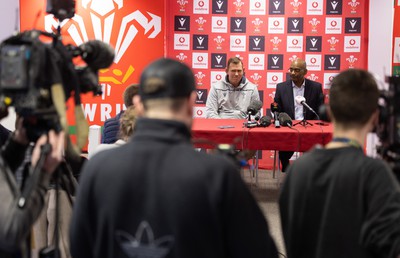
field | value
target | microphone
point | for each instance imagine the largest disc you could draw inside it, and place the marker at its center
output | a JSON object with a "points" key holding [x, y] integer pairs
{"points": [[97, 54], [275, 110], [254, 107], [302, 101], [265, 121], [285, 120]]}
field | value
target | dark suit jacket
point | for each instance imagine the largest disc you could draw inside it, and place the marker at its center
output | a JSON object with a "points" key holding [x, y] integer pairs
{"points": [[312, 93]]}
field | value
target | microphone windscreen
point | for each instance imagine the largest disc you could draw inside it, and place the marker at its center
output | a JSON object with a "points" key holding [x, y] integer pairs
{"points": [[97, 54], [284, 119], [257, 105], [300, 99], [254, 107], [265, 121]]}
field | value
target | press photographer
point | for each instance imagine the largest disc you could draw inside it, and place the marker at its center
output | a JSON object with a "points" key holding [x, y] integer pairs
{"points": [[19, 209]]}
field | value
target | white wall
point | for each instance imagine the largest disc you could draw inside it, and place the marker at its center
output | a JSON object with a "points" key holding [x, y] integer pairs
{"points": [[380, 49], [8, 17], [9, 21], [380, 37]]}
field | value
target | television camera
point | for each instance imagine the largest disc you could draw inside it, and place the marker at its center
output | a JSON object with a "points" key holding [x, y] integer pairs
{"points": [[388, 128], [37, 78]]}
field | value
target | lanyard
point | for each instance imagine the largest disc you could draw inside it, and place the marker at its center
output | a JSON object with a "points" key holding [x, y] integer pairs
{"points": [[348, 141]]}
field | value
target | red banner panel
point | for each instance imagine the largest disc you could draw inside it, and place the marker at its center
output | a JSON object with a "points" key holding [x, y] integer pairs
{"points": [[331, 35], [396, 39], [135, 29]]}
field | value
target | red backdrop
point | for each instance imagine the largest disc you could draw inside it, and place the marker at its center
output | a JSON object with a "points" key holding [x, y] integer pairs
{"points": [[136, 29], [396, 39], [331, 35]]}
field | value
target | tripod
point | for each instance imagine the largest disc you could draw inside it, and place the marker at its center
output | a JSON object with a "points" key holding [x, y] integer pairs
{"points": [[60, 193], [303, 122]]}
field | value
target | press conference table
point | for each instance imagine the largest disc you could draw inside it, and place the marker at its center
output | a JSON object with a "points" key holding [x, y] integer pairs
{"points": [[208, 132]]}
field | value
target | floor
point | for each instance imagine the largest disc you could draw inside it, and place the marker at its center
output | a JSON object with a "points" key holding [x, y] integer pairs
{"points": [[266, 192]]}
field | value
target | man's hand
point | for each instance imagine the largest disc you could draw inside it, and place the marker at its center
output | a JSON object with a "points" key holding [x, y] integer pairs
{"points": [[55, 156], [19, 134]]}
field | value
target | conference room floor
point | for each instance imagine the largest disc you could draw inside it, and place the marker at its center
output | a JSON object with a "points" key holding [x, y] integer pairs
{"points": [[266, 193]]}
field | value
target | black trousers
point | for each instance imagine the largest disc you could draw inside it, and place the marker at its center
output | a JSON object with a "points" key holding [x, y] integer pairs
{"points": [[284, 156]]}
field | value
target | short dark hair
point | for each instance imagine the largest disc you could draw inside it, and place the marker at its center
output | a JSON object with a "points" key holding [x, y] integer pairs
{"points": [[129, 93], [166, 78], [234, 60], [353, 97]]}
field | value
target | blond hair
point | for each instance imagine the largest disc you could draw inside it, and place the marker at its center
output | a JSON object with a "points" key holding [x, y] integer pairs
{"points": [[127, 123]]}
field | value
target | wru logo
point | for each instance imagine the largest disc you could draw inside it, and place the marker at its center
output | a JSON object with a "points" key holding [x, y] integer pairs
{"points": [[103, 13]]}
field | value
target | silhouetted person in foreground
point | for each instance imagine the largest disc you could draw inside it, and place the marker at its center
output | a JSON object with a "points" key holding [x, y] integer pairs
{"points": [[336, 201], [157, 195]]}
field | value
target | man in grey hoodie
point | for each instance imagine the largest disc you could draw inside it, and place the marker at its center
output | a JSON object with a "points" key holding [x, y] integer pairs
{"points": [[230, 97]]}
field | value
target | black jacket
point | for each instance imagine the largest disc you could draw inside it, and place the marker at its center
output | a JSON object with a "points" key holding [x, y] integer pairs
{"points": [[156, 194], [340, 203], [111, 129], [312, 93]]}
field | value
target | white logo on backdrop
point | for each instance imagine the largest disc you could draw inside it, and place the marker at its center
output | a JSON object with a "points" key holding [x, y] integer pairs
{"points": [[106, 10]]}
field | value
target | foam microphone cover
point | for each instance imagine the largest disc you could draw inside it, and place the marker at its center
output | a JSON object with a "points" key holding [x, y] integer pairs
{"points": [[97, 54], [254, 107], [265, 121], [284, 119], [299, 99]]}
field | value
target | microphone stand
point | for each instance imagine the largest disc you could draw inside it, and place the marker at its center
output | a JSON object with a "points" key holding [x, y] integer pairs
{"points": [[303, 122], [249, 123]]}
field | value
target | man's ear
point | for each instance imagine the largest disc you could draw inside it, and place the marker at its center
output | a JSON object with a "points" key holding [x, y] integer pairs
{"points": [[138, 104], [375, 118], [193, 97], [328, 113], [192, 101]]}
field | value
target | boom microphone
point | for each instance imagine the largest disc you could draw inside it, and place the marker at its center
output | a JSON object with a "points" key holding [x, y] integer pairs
{"points": [[285, 120], [254, 107], [302, 101], [265, 121], [97, 54]]}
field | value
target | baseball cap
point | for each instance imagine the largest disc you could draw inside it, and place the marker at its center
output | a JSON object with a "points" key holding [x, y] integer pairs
{"points": [[166, 78]]}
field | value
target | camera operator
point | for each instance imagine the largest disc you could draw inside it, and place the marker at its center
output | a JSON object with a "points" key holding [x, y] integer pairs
{"points": [[20, 208]]}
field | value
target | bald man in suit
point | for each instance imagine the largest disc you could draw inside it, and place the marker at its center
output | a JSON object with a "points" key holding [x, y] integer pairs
{"points": [[286, 93]]}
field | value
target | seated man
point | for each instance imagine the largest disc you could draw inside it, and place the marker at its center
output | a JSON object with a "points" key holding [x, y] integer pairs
{"points": [[337, 202], [230, 98], [111, 125], [286, 93]]}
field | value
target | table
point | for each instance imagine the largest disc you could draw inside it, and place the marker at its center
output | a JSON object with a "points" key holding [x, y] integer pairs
{"points": [[209, 132]]}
